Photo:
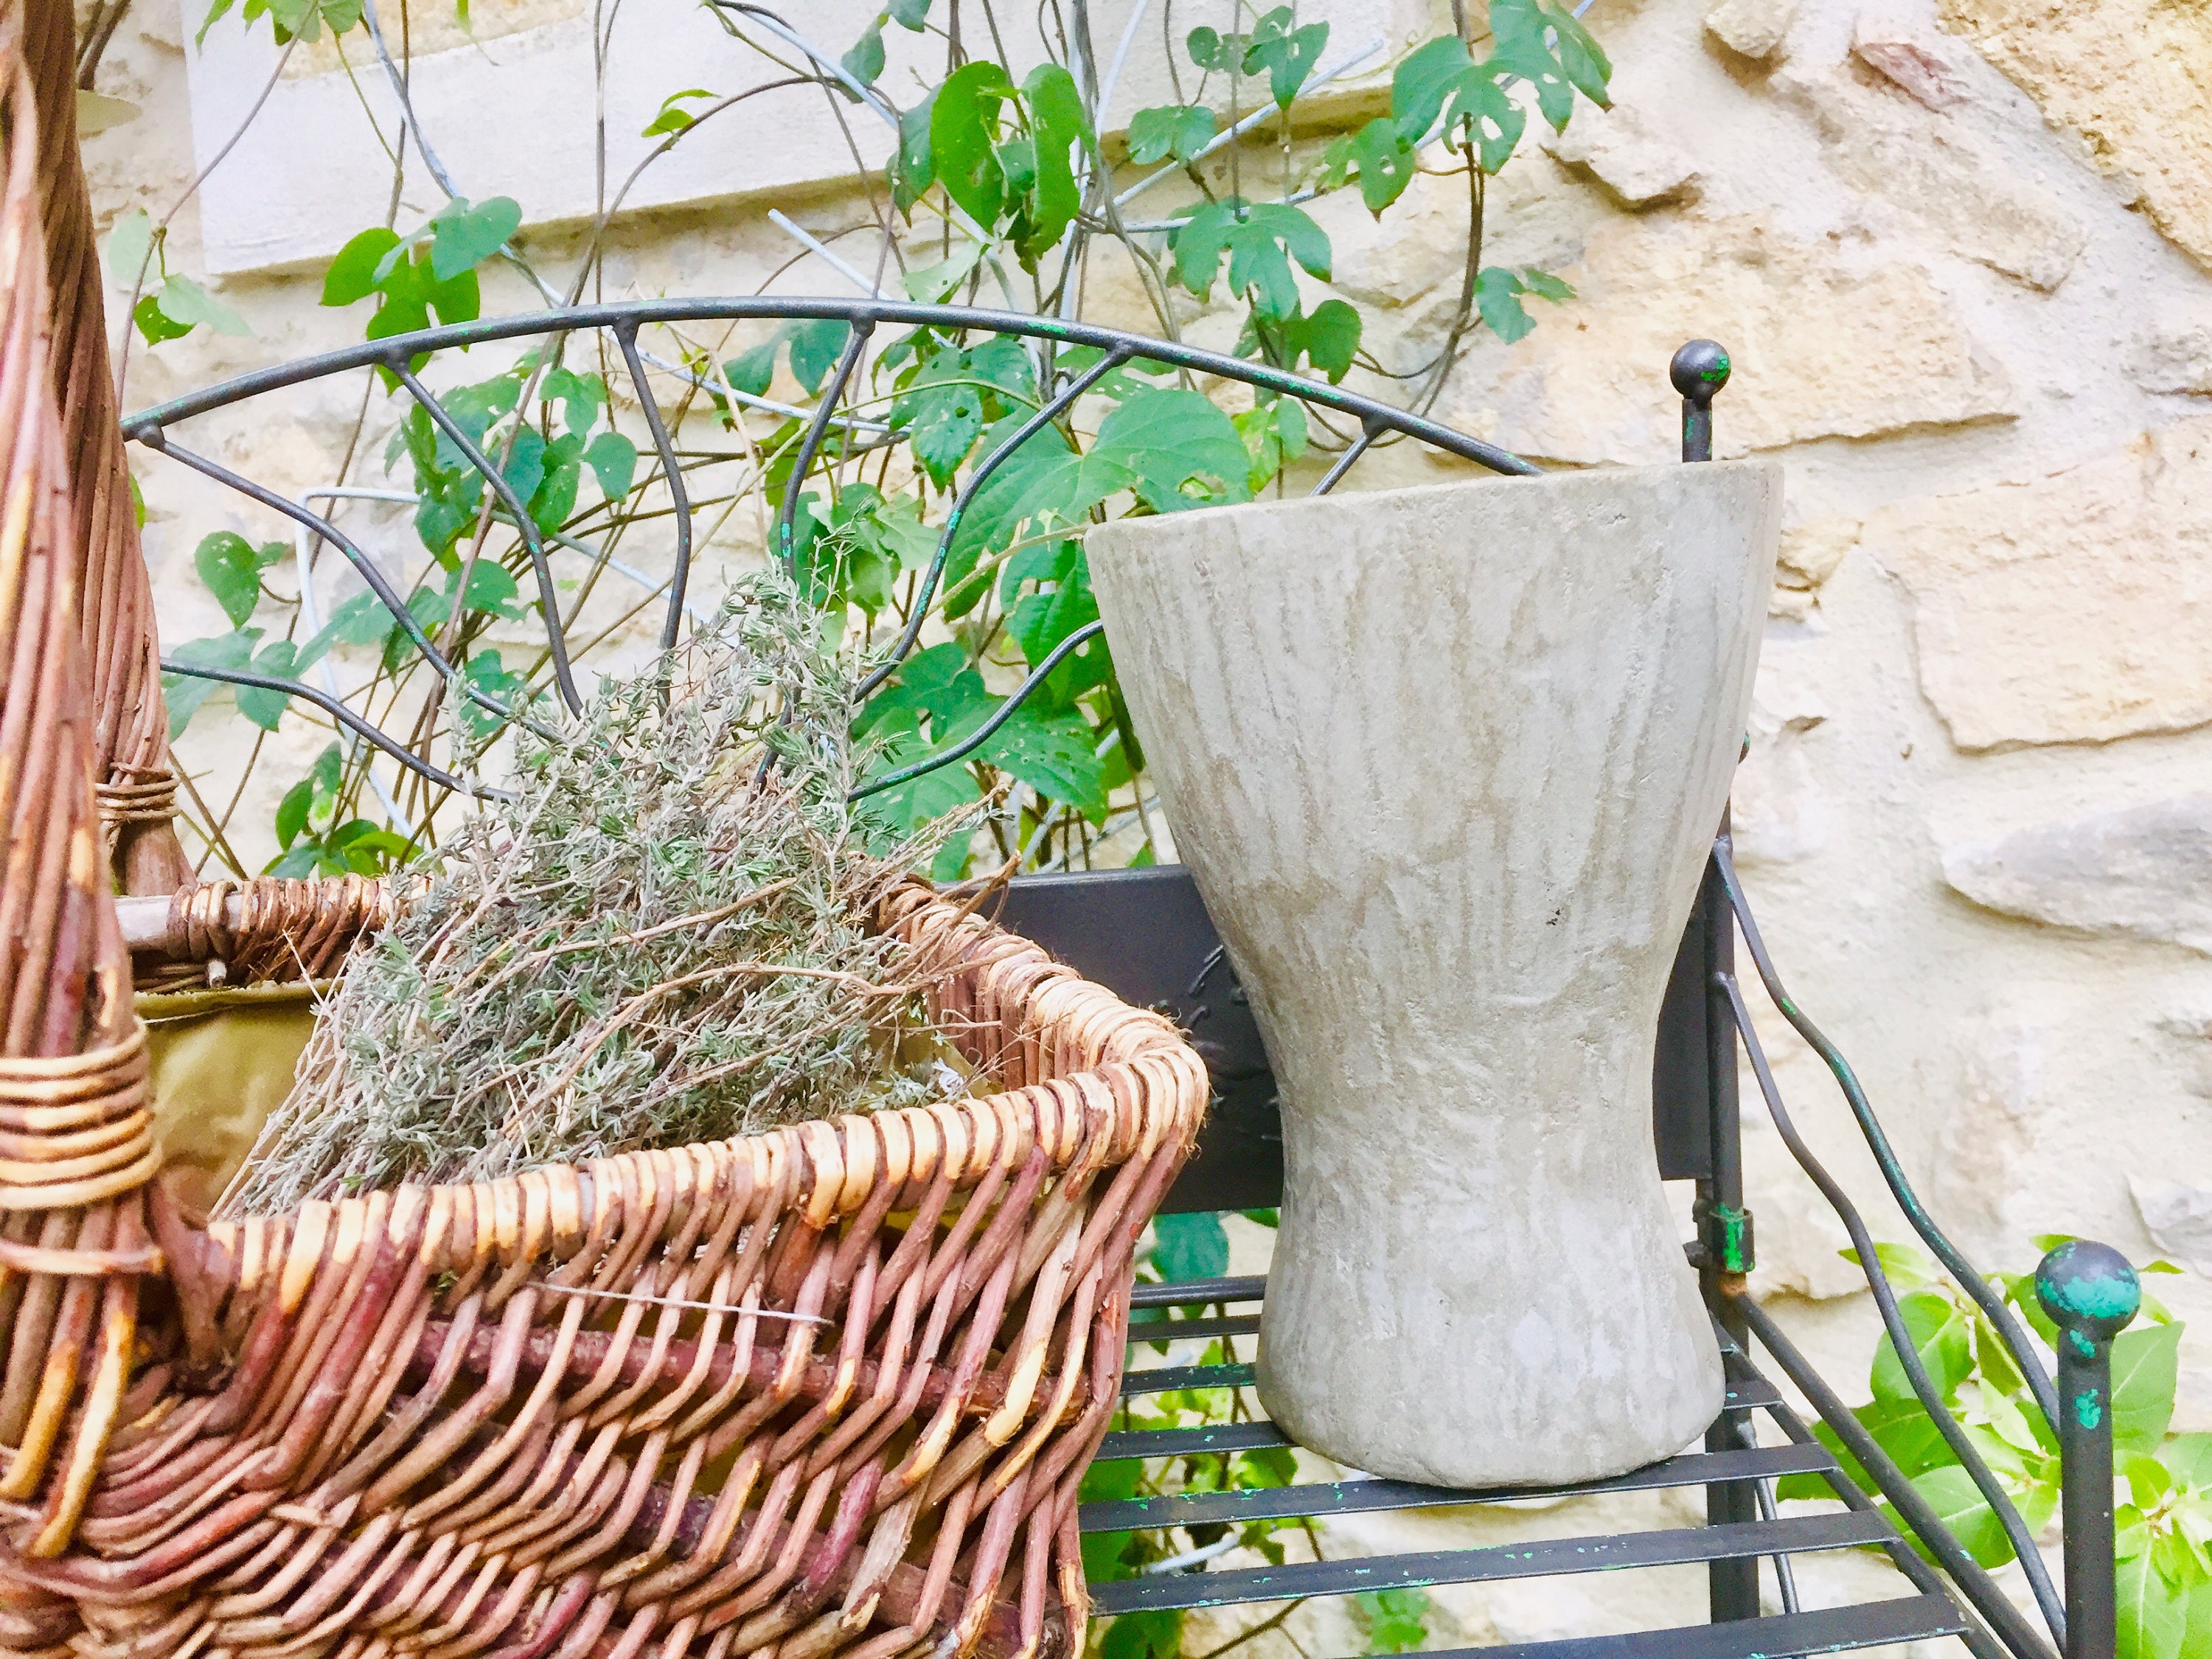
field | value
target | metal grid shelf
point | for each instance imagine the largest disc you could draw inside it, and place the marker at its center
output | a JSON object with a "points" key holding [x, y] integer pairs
{"points": [[1929, 1614]]}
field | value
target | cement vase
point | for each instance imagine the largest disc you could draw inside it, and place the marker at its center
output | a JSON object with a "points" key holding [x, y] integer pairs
{"points": [[1445, 763]]}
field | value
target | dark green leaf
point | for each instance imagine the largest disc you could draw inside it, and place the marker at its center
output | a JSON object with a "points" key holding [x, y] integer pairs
{"points": [[231, 566], [613, 461], [1143, 1636], [1209, 51], [292, 811], [962, 126], [913, 168], [1182, 450], [1055, 754], [863, 60], [1497, 296], [814, 348], [352, 275], [752, 371], [185, 693], [1580, 55], [1396, 1620], [1386, 164], [1285, 55], [154, 325], [1057, 124], [465, 236], [1483, 107], [1191, 1246], [485, 672], [1177, 130], [1328, 339], [492, 588], [183, 302], [264, 708], [1422, 84]]}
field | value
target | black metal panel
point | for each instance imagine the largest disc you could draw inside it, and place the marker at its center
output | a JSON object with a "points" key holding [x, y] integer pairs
{"points": [[1325, 1500], [1182, 1330], [1145, 935], [1534, 1558], [1786, 1636]]}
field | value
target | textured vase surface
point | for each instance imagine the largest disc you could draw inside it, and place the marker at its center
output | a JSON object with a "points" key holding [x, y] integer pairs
{"points": [[1445, 763]]}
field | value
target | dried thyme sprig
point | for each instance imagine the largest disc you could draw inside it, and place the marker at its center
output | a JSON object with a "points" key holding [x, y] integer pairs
{"points": [[660, 940]]}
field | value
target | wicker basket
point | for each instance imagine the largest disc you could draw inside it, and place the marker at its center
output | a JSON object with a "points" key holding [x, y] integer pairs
{"points": [[826, 1390], [560, 1411]]}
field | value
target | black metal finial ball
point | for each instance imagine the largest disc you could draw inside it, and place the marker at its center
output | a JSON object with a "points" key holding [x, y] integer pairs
{"points": [[2089, 1288], [1699, 369]]}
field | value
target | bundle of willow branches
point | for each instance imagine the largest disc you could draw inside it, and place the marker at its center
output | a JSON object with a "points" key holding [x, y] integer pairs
{"points": [[661, 940]]}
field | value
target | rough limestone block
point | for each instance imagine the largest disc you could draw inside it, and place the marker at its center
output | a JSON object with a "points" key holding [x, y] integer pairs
{"points": [[2142, 870], [2179, 1218], [2129, 77], [1756, 29], [1445, 763], [1636, 168], [1896, 47], [2069, 608], [1822, 350]]}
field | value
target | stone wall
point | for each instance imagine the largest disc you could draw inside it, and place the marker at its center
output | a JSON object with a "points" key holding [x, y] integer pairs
{"points": [[1959, 253]]}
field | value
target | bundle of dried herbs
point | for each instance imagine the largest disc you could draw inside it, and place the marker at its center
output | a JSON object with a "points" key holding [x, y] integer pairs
{"points": [[661, 940]]}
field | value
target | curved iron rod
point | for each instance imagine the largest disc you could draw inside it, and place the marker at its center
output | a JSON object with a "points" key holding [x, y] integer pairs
{"points": [[1900, 1339], [549, 598], [387, 595], [1045, 414], [787, 518], [1969, 1277], [1968, 1574], [337, 710], [1370, 431], [626, 337], [567, 318], [1004, 712]]}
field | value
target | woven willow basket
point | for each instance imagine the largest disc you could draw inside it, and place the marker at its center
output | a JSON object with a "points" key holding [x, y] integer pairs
{"points": [[828, 1390]]}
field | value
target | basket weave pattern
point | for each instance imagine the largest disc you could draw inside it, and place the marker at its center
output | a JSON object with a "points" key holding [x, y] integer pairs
{"points": [[559, 1413]]}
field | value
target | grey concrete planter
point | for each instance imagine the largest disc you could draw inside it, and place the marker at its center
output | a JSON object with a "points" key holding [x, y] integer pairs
{"points": [[1445, 763]]}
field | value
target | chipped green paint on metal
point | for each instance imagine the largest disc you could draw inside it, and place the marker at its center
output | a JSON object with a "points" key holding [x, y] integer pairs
{"points": [[2089, 1408]]}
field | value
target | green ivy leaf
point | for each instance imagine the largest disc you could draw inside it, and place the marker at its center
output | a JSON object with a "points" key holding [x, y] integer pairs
{"points": [[153, 323], [130, 247], [1286, 55], [863, 60], [1261, 239], [1483, 107], [1386, 164], [231, 568], [815, 349], [1497, 296], [2146, 1369], [465, 236], [914, 166], [489, 677], [1057, 124], [1328, 339], [613, 461], [1177, 130], [1951, 1492], [1182, 449], [1939, 1337], [1423, 81], [353, 275], [188, 305], [1187, 1247], [1054, 753], [963, 123], [1396, 1620], [265, 709], [185, 693], [1580, 55]]}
